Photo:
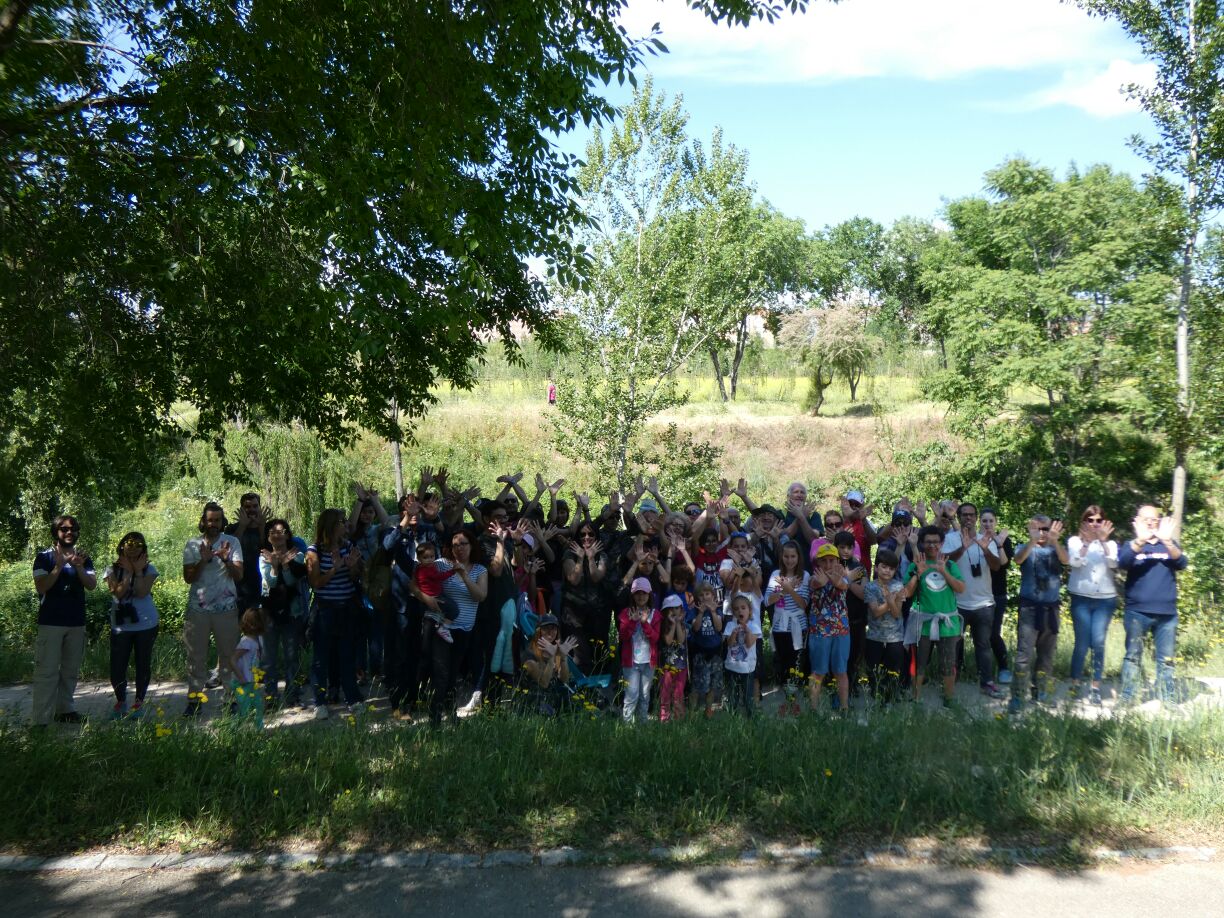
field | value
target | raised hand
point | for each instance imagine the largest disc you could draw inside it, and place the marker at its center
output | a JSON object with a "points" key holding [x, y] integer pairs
{"points": [[614, 502], [1056, 530], [583, 500], [432, 507], [568, 645], [1164, 531], [741, 489], [442, 476], [1105, 530], [920, 512], [555, 488], [652, 485], [222, 551], [426, 478], [724, 488]]}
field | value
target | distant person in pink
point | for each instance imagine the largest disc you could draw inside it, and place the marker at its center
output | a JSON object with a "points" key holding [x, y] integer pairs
{"points": [[552, 392]]}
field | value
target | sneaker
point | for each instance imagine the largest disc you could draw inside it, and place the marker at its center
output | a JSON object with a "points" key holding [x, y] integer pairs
{"points": [[193, 709], [214, 679], [1094, 697], [472, 706], [990, 690], [119, 711], [1005, 677], [1015, 706], [321, 712], [445, 634], [137, 710], [68, 717]]}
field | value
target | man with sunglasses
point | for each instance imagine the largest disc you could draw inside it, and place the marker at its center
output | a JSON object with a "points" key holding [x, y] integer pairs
{"points": [[978, 556], [1041, 561], [62, 574]]}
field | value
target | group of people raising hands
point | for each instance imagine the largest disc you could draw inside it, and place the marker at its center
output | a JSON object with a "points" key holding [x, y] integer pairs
{"points": [[697, 597]]}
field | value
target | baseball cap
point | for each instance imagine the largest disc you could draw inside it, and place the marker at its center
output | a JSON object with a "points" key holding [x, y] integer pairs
{"points": [[640, 585]]}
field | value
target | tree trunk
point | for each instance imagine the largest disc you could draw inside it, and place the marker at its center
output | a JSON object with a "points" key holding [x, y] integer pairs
{"points": [[943, 355], [397, 458], [853, 379], [741, 342], [1180, 444], [718, 374]]}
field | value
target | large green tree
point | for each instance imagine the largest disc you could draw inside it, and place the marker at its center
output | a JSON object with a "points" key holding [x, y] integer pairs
{"points": [[1185, 40], [1047, 291], [277, 210]]}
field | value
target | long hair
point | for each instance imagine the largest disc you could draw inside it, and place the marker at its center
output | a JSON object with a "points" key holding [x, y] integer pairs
{"points": [[1092, 510], [329, 519], [798, 571], [60, 521]]}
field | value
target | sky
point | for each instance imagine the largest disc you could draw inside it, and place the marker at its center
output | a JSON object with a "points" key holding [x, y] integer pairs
{"points": [[889, 108]]}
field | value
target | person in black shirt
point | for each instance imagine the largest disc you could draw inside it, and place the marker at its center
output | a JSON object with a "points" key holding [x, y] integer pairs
{"points": [[62, 574]]}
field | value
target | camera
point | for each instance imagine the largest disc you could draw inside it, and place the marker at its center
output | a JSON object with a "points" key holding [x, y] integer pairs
{"points": [[976, 569], [125, 613]]}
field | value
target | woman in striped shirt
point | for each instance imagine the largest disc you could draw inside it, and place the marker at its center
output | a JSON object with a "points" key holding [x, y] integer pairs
{"points": [[333, 568]]}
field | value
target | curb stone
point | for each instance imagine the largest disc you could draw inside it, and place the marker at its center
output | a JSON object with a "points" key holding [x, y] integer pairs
{"points": [[561, 857]]}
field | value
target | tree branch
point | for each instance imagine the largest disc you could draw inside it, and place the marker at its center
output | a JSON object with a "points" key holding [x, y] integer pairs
{"points": [[13, 127]]}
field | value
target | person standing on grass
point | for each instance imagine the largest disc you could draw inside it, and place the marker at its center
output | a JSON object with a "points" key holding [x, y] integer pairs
{"points": [[706, 657], [62, 574], [1094, 597], [1151, 561], [638, 626], [998, 588], [788, 595], [934, 620], [552, 392], [249, 531], [584, 608], [885, 650], [675, 659], [977, 556], [467, 588], [282, 567], [133, 621], [368, 521], [1041, 561], [248, 693], [742, 636], [829, 626], [212, 568], [333, 568]]}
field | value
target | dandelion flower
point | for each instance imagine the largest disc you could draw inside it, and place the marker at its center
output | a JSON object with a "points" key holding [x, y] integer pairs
{"points": [[828, 773]]}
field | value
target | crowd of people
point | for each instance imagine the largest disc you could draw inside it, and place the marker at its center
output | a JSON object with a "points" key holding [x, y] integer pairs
{"points": [[533, 601]]}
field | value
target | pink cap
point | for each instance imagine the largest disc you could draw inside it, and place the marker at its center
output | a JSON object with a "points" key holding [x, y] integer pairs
{"points": [[640, 585]]}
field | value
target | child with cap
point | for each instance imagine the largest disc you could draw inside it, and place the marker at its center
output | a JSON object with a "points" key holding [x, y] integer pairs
{"points": [[829, 626], [675, 659], [638, 627]]}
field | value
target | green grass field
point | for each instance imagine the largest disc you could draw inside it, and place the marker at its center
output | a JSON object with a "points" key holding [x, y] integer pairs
{"points": [[518, 782]]}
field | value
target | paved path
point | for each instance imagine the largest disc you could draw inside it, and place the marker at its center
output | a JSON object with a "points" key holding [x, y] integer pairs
{"points": [[1181, 890]]}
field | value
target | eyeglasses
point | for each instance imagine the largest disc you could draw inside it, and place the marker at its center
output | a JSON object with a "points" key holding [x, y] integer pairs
{"points": [[1043, 529], [1094, 519], [132, 543], [693, 511], [461, 544]]}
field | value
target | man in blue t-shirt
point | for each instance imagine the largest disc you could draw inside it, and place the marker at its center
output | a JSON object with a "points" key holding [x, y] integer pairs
{"points": [[1151, 561], [62, 574]]}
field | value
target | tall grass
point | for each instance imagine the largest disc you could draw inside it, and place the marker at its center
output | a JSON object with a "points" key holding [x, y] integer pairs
{"points": [[512, 782]]}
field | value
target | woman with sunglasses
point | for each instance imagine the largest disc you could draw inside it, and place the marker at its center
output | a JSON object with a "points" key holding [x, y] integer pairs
{"points": [[586, 612], [133, 621], [467, 588], [1094, 596]]}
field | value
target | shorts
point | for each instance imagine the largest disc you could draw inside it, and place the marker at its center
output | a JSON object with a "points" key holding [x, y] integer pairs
{"points": [[702, 669], [829, 654]]}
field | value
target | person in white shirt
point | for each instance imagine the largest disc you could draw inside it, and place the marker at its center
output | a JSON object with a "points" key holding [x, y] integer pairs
{"points": [[976, 555], [1093, 559]]}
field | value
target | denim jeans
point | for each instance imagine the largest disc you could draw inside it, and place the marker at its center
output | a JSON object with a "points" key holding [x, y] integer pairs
{"points": [[1091, 617], [283, 646], [997, 644], [637, 690], [978, 622], [335, 626], [1164, 632]]}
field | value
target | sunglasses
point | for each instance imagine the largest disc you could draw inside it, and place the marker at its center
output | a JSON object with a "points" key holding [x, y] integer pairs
{"points": [[69, 529], [1043, 529], [693, 511], [1094, 519], [132, 543]]}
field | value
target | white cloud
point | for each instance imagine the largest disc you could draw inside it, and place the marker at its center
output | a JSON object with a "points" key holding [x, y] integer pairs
{"points": [[925, 39], [1095, 91]]}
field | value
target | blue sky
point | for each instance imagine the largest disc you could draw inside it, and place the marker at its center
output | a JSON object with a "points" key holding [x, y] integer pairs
{"points": [[887, 108]]}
